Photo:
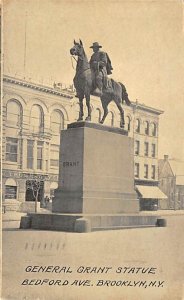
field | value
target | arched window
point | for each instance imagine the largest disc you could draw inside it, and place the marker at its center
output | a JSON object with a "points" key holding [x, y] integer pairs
{"points": [[14, 112], [36, 120], [109, 121], [98, 113], [146, 128], [10, 189], [153, 129], [137, 125], [128, 123], [57, 122]]}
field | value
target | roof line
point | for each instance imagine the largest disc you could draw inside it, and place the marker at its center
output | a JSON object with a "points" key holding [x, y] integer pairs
{"points": [[36, 86]]}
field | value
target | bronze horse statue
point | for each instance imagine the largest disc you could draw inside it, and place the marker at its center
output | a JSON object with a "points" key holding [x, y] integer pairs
{"points": [[83, 82]]}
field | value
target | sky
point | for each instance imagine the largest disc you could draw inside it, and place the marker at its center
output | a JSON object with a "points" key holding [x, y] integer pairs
{"points": [[144, 39]]}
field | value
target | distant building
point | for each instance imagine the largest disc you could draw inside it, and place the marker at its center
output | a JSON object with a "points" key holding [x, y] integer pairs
{"points": [[144, 128], [34, 115], [171, 182]]}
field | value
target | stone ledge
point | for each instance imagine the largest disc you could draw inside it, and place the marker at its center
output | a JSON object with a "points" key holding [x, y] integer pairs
{"points": [[84, 124], [83, 223]]}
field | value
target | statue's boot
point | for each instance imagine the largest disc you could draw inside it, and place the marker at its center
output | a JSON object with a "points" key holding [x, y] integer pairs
{"points": [[97, 92], [99, 85]]}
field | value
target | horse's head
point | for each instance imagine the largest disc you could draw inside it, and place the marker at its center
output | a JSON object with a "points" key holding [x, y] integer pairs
{"points": [[77, 49]]}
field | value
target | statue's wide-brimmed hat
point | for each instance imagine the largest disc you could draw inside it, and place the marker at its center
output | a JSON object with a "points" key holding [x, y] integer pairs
{"points": [[96, 45]]}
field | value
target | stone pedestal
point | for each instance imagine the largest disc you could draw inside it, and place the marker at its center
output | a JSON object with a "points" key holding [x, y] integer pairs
{"points": [[96, 174]]}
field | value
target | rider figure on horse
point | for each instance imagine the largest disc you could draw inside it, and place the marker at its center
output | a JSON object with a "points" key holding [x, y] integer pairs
{"points": [[100, 65]]}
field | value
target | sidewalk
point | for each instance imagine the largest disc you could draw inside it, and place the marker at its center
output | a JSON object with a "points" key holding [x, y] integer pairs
{"points": [[164, 212], [16, 216], [11, 219]]}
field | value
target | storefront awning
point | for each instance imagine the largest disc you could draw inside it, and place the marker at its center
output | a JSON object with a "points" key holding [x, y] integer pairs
{"points": [[150, 192]]}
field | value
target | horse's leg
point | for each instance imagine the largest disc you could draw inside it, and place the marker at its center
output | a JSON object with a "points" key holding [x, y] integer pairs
{"points": [[104, 105], [81, 113], [88, 118], [122, 122]]}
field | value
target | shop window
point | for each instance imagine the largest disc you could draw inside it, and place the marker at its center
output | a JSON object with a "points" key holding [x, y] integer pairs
{"points": [[11, 149], [10, 192], [34, 189]]}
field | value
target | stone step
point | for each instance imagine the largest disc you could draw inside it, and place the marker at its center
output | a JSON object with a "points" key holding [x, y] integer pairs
{"points": [[121, 227]]}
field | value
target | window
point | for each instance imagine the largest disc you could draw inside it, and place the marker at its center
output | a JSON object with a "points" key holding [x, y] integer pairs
{"points": [[14, 113], [34, 188], [146, 148], [54, 154], [128, 121], [57, 122], [137, 147], [98, 115], [47, 156], [39, 155], [10, 192], [146, 128], [36, 120], [11, 149], [153, 150], [137, 125], [136, 170], [153, 129], [30, 145], [145, 171], [153, 171]]}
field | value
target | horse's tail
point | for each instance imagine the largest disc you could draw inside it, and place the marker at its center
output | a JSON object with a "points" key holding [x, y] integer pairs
{"points": [[124, 94]]}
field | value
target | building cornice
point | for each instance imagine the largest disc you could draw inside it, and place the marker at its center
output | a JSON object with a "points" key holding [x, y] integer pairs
{"points": [[137, 105], [70, 95], [37, 87]]}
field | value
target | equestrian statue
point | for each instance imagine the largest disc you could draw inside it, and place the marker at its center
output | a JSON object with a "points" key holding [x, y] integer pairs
{"points": [[91, 78]]}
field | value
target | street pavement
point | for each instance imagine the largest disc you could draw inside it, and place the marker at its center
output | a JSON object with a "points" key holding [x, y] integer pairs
{"points": [[159, 249]]}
